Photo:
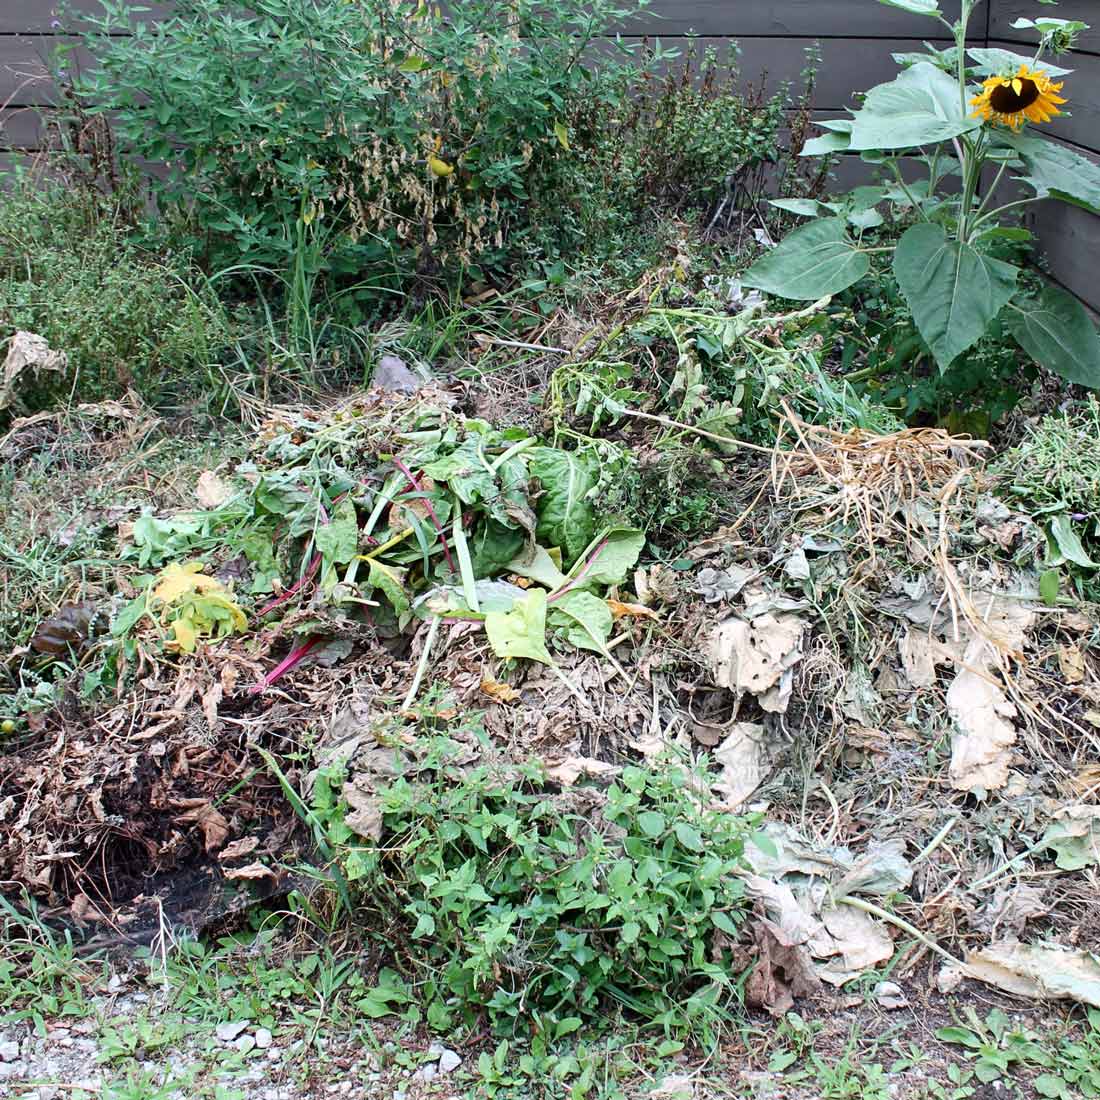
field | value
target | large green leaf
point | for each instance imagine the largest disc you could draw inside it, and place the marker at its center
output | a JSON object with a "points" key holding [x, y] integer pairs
{"points": [[585, 620], [953, 290], [994, 61], [338, 540], [520, 632], [920, 107], [1059, 335], [566, 518], [608, 559], [917, 7], [814, 261], [1057, 171]]}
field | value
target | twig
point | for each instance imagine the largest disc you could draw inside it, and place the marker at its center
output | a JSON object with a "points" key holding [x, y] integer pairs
{"points": [[678, 426]]}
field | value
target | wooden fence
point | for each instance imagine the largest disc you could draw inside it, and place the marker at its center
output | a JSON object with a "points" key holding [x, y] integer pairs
{"points": [[856, 39]]}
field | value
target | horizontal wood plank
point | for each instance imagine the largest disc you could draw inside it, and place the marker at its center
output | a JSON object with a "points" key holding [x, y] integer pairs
{"points": [[786, 18], [47, 16]]}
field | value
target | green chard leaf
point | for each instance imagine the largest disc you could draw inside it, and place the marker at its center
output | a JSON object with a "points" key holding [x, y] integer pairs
{"points": [[338, 540], [608, 559], [520, 632], [953, 290], [566, 518], [584, 618]]}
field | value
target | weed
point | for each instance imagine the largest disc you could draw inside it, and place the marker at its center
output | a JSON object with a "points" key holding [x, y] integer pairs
{"points": [[124, 317], [516, 906]]}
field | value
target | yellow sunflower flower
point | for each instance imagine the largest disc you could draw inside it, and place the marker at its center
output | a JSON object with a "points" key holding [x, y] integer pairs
{"points": [[1029, 95]]}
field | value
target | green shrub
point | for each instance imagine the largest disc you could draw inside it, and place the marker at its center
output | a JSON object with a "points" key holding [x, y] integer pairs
{"points": [[545, 910], [70, 272], [414, 135], [697, 141]]}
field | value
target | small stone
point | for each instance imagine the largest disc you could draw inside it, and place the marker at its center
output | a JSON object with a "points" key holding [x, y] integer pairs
{"points": [[449, 1061], [274, 1054], [114, 983], [228, 1032], [9, 1051], [245, 1044], [425, 1073], [263, 1038], [890, 995]]}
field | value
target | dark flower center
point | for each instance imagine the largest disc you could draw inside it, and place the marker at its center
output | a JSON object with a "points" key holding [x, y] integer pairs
{"points": [[1005, 100]]}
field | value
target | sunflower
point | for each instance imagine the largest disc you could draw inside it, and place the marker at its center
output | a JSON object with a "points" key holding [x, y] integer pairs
{"points": [[1014, 100]]}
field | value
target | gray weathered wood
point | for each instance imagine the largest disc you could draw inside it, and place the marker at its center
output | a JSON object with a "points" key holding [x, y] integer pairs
{"points": [[21, 16], [779, 18]]}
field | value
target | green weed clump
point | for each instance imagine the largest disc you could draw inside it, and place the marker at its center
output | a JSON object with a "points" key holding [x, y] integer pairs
{"points": [[1056, 468], [70, 272], [412, 133], [547, 911]]}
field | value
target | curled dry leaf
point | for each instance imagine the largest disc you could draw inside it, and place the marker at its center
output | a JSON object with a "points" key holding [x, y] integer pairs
{"points": [[620, 610], [238, 849], [1072, 663], [70, 627], [497, 691], [568, 771], [251, 871], [214, 827]]}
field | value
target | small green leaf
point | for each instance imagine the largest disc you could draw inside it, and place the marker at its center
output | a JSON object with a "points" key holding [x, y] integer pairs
{"points": [[1068, 542], [813, 262], [765, 844], [339, 539], [412, 64], [1049, 584], [723, 923], [689, 837], [561, 132], [651, 823], [960, 1035], [1049, 1084], [630, 932]]}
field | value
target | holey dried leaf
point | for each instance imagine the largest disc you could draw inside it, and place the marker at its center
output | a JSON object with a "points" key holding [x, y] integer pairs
{"points": [[757, 658]]}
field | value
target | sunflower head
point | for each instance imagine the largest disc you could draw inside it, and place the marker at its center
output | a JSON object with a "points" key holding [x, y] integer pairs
{"points": [[1029, 95]]}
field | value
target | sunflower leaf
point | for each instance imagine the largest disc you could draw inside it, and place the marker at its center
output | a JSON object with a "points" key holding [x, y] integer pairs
{"points": [[992, 62], [920, 107], [1057, 333], [954, 290], [1057, 171], [814, 261], [917, 7]]}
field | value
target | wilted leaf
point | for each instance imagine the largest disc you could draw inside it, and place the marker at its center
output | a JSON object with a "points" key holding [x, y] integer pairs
{"points": [[620, 610], [498, 692], [211, 491], [69, 627], [250, 872]]}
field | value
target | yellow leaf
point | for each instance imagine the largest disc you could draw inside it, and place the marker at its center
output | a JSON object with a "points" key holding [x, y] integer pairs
{"points": [[439, 167], [620, 610], [177, 581], [498, 692], [185, 636], [562, 134]]}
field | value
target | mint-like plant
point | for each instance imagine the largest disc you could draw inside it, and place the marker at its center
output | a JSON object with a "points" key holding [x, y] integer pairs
{"points": [[945, 264]]}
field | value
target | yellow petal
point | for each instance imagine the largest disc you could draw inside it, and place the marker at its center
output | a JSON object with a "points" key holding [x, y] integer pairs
{"points": [[1018, 86]]}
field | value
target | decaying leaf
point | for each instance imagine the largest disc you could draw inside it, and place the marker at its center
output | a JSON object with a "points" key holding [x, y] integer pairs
{"points": [[497, 691], [238, 849], [30, 353], [250, 872], [1040, 971], [746, 762], [211, 491], [70, 627], [214, 827], [620, 610], [1072, 663], [781, 973], [757, 658], [1074, 837], [568, 771]]}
